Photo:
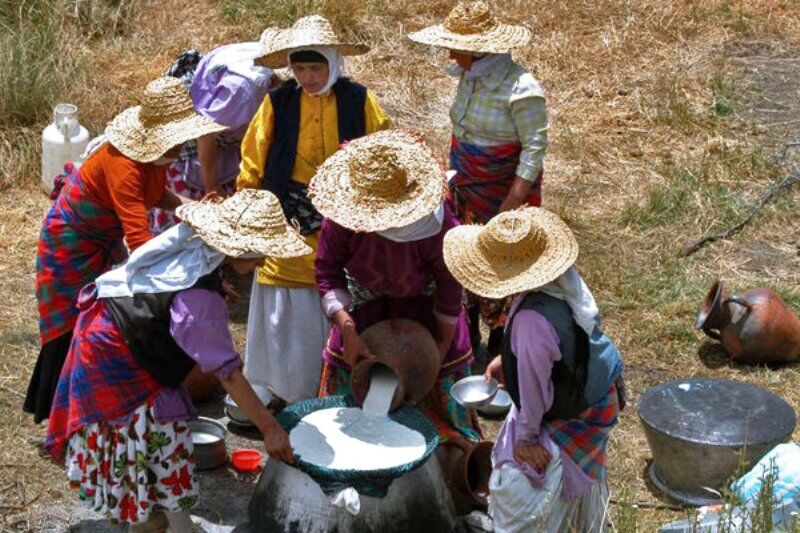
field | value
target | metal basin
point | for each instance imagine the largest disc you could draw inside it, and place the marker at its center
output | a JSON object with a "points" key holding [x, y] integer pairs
{"points": [[208, 438], [701, 431], [499, 405], [474, 391]]}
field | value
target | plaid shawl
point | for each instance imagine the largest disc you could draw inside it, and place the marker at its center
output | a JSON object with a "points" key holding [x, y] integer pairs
{"points": [[584, 438], [79, 241], [100, 381], [484, 175]]}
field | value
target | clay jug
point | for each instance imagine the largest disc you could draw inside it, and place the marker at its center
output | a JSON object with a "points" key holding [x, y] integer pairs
{"points": [[409, 350], [466, 469], [755, 326]]}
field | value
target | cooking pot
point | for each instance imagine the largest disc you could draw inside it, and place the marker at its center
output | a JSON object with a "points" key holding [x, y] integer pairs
{"points": [[208, 438], [703, 431]]}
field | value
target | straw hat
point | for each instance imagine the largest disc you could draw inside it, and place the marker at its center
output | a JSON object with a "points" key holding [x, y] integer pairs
{"points": [[388, 179], [515, 251], [248, 224], [307, 31], [472, 27], [165, 119]]}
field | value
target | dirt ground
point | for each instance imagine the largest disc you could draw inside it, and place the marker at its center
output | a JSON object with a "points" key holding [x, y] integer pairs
{"points": [[664, 126]]}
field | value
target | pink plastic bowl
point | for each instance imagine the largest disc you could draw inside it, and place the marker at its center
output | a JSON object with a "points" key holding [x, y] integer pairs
{"points": [[246, 459]]}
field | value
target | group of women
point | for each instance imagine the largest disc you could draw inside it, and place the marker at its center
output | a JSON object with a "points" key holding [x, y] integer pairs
{"points": [[374, 232]]}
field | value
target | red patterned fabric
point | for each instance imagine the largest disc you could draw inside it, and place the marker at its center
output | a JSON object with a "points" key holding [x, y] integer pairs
{"points": [[101, 381]]}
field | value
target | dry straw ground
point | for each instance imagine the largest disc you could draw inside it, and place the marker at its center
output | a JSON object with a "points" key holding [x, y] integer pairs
{"points": [[665, 117]]}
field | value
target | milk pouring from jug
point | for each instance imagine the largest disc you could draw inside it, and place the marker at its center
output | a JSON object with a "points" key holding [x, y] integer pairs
{"points": [[62, 141]]}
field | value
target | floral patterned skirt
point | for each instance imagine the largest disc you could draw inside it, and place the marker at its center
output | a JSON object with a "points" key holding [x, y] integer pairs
{"points": [[127, 471]]}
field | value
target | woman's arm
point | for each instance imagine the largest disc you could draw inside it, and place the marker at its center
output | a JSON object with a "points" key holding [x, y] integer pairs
{"points": [[208, 151], [170, 200]]}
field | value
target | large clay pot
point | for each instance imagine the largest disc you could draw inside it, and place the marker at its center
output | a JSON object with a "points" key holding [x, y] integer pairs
{"points": [[409, 350], [466, 468], [755, 326]]}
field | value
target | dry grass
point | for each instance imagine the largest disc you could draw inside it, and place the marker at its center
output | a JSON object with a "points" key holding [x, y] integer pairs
{"points": [[637, 92]]}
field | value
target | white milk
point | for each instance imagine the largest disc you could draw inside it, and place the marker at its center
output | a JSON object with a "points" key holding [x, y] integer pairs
{"points": [[355, 439], [349, 439], [204, 438], [383, 383]]}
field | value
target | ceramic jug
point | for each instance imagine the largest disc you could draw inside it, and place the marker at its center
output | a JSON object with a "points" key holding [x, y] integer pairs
{"points": [[755, 326], [409, 350], [466, 468]]}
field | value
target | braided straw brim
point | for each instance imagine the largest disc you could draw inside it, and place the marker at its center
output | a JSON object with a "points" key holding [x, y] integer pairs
{"points": [[278, 44], [492, 275], [503, 38], [127, 134], [248, 224], [335, 196]]}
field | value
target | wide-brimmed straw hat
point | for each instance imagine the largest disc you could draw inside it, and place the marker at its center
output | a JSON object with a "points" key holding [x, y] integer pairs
{"points": [[166, 118], [248, 224], [515, 251], [388, 179], [314, 30], [472, 27]]}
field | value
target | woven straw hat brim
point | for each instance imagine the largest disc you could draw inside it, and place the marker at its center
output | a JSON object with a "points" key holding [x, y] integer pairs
{"points": [[127, 134], [333, 195], [279, 57], [502, 39], [495, 277], [205, 218]]}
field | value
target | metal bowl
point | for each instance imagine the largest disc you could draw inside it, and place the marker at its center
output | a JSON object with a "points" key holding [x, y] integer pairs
{"points": [[474, 391], [208, 438], [236, 414], [499, 405], [701, 431]]}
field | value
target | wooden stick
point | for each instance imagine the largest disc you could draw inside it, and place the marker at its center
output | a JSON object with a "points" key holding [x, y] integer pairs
{"points": [[648, 505], [771, 191]]}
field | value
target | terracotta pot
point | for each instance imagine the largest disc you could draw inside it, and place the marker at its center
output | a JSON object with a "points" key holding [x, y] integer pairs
{"points": [[756, 326], [409, 350], [466, 469]]}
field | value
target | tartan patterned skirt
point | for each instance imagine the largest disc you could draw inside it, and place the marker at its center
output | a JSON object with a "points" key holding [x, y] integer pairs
{"points": [[79, 240], [450, 418], [584, 438]]}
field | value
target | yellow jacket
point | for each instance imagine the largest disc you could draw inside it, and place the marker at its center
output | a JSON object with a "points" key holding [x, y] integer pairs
{"points": [[317, 140]]}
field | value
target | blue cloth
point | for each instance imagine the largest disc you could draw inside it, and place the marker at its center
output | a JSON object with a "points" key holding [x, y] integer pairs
{"points": [[783, 461]]}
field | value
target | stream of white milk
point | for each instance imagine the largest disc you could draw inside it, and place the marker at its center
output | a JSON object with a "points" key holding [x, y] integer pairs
{"points": [[354, 439]]}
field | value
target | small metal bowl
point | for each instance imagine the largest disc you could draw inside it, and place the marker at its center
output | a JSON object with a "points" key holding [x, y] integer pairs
{"points": [[208, 438], [236, 414], [499, 405], [474, 391]]}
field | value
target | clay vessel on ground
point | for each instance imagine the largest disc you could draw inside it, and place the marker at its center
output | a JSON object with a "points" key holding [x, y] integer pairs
{"points": [[466, 468], [409, 350], [755, 326]]}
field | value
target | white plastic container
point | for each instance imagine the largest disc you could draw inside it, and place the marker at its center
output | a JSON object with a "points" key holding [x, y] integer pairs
{"points": [[62, 141]]}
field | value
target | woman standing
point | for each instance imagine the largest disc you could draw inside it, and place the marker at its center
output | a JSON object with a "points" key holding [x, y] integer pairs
{"points": [[499, 129], [380, 257], [562, 373], [101, 208], [297, 127], [120, 413], [226, 87]]}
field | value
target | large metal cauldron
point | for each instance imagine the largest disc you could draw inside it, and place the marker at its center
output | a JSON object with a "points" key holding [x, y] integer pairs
{"points": [[701, 431], [287, 500]]}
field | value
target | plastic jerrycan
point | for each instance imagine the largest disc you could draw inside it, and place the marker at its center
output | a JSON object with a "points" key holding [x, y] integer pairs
{"points": [[62, 141]]}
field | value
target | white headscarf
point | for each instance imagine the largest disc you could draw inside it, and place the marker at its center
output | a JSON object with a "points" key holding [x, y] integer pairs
{"points": [[427, 226], [172, 261], [571, 288], [335, 64]]}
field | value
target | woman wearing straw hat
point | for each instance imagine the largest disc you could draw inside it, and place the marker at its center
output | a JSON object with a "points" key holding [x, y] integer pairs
{"points": [[297, 127], [227, 87], [120, 414], [562, 372], [499, 128], [99, 206], [379, 252]]}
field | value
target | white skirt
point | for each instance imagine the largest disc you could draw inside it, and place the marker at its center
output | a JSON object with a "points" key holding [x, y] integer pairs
{"points": [[516, 506], [286, 331]]}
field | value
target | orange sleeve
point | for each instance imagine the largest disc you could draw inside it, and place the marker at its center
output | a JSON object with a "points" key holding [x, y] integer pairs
{"points": [[126, 188]]}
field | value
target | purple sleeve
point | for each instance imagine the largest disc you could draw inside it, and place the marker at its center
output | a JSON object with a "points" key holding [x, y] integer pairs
{"points": [[333, 253], [449, 292], [535, 343], [199, 324]]}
